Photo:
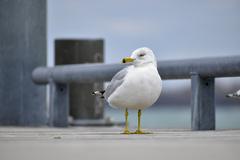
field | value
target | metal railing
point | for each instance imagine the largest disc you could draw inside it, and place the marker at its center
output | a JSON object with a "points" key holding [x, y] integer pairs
{"points": [[201, 71]]}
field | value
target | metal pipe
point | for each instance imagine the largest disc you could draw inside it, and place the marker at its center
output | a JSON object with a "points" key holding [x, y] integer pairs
{"points": [[76, 73], [228, 66], [172, 69]]}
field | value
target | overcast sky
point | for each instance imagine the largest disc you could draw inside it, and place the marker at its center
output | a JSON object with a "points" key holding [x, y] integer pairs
{"points": [[173, 29]]}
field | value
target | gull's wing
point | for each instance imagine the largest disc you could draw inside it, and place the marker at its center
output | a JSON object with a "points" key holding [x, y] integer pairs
{"points": [[116, 81]]}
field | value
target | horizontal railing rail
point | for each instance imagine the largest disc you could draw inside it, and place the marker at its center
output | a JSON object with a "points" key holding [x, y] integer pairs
{"points": [[172, 69], [201, 71]]}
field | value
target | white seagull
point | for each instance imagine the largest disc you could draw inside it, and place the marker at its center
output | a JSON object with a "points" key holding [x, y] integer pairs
{"points": [[234, 95], [137, 86]]}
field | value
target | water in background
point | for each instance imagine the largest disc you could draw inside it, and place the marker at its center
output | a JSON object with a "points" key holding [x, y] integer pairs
{"points": [[176, 117]]}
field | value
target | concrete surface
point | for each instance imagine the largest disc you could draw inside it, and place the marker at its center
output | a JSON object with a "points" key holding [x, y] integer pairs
{"points": [[106, 143]]}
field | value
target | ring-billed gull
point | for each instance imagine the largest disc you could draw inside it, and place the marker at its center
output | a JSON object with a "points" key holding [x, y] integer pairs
{"points": [[137, 86]]}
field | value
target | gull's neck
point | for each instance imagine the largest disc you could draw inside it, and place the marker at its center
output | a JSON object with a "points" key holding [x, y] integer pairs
{"points": [[147, 64]]}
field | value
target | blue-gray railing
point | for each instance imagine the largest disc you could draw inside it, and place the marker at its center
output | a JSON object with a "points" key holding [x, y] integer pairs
{"points": [[201, 71]]}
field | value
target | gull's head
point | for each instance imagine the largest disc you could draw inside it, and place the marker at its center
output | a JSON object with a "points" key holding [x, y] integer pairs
{"points": [[141, 56]]}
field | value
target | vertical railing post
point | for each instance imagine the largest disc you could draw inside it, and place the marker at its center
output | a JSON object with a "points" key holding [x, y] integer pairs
{"points": [[202, 103], [59, 105]]}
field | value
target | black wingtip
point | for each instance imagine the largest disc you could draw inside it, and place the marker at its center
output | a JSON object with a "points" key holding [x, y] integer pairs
{"points": [[102, 92]]}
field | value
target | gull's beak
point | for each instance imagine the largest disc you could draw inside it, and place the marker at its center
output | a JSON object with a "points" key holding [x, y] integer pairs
{"points": [[127, 60]]}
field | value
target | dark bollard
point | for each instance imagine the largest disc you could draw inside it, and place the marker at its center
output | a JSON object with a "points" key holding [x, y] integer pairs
{"points": [[83, 106], [22, 48], [202, 103]]}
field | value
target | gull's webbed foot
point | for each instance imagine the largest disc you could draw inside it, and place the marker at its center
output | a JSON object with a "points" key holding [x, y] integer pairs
{"points": [[140, 132], [126, 131]]}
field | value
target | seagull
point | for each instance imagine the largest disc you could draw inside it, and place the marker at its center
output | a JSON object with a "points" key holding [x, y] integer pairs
{"points": [[234, 95], [137, 86]]}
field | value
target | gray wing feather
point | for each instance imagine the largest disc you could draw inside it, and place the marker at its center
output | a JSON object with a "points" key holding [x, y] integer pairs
{"points": [[116, 81]]}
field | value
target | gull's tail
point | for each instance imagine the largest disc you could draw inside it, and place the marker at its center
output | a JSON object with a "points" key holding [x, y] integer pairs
{"points": [[99, 93]]}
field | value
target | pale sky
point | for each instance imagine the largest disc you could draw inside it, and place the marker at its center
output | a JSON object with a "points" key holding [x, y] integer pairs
{"points": [[173, 29]]}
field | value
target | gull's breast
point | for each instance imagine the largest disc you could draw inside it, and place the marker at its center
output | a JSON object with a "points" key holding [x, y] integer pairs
{"points": [[140, 89]]}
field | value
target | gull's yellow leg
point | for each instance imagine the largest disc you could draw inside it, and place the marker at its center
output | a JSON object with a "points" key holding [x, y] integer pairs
{"points": [[126, 131], [139, 131]]}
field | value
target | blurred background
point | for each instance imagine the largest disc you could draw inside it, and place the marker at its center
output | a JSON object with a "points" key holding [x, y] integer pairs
{"points": [[173, 30], [58, 32]]}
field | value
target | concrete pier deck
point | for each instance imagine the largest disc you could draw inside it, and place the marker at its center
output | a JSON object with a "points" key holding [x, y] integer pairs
{"points": [[78, 143]]}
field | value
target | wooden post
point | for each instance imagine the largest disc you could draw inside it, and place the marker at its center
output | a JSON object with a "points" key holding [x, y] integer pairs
{"points": [[82, 104], [202, 103]]}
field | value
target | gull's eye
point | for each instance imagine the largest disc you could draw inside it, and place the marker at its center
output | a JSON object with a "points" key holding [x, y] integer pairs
{"points": [[142, 54]]}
